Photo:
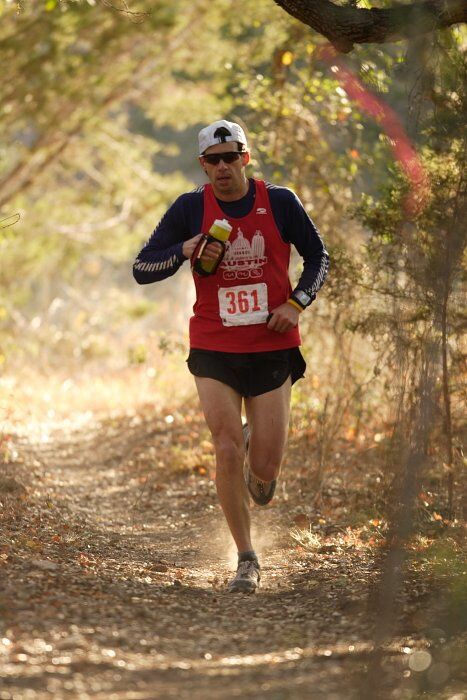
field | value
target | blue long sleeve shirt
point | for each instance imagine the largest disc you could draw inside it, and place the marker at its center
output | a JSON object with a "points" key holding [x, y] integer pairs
{"points": [[162, 255]]}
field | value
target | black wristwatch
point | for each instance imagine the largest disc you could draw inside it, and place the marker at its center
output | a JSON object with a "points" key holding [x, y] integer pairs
{"points": [[301, 298]]}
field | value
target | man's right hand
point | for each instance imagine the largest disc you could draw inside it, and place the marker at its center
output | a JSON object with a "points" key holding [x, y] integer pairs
{"points": [[189, 246], [211, 252]]}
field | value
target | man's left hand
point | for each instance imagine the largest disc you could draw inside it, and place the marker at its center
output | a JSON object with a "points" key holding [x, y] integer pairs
{"points": [[284, 318]]}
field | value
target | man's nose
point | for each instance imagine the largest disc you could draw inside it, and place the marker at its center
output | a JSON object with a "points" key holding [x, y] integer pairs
{"points": [[222, 164]]}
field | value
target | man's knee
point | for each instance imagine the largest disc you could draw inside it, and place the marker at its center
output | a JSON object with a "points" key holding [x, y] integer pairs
{"points": [[230, 450], [265, 457]]}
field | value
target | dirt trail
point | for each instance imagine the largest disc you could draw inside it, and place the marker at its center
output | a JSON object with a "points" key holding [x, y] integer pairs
{"points": [[114, 586]]}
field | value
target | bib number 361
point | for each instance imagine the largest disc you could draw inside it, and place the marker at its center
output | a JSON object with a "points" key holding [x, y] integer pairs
{"points": [[244, 305]]}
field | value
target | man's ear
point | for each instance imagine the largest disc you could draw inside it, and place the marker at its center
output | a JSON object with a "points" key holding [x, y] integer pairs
{"points": [[246, 158], [201, 162]]}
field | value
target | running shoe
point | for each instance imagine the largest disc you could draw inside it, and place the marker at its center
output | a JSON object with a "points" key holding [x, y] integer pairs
{"points": [[247, 577], [261, 492]]}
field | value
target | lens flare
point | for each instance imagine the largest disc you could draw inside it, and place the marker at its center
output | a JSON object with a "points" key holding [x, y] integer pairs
{"points": [[403, 150]]}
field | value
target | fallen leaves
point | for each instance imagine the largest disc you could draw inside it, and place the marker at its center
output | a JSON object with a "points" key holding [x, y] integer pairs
{"points": [[44, 564], [302, 521], [121, 549]]}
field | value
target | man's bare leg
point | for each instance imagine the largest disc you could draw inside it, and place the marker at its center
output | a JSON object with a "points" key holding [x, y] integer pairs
{"points": [[268, 420], [222, 408]]}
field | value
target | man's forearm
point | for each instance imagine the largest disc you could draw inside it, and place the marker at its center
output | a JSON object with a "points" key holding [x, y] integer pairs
{"points": [[155, 265], [314, 274]]}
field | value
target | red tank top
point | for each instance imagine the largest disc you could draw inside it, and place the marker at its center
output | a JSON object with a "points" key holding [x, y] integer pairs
{"points": [[232, 305]]}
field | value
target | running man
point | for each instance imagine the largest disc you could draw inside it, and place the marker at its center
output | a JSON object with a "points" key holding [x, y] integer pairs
{"points": [[244, 336]]}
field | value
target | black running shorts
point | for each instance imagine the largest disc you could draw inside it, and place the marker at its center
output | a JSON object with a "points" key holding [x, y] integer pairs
{"points": [[248, 373]]}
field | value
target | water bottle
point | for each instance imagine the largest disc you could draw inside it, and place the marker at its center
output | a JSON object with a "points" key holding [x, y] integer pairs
{"points": [[219, 232]]}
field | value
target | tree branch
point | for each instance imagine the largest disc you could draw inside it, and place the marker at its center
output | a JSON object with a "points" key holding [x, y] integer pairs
{"points": [[52, 143], [345, 26], [83, 232]]}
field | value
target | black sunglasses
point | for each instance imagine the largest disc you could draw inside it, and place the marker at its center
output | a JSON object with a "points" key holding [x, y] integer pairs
{"points": [[229, 157]]}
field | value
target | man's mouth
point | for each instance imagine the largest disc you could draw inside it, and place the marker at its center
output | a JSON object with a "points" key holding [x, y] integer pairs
{"points": [[223, 178]]}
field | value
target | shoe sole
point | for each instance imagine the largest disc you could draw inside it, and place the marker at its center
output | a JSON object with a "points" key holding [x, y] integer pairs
{"points": [[243, 587], [267, 499]]}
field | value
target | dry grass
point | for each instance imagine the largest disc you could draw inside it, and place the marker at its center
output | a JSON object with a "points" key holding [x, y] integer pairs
{"points": [[306, 538]]}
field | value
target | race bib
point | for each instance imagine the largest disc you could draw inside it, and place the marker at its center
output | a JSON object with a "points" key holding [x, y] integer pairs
{"points": [[243, 305]]}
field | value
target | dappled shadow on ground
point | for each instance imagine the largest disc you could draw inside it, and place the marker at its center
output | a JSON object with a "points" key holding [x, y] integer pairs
{"points": [[114, 584]]}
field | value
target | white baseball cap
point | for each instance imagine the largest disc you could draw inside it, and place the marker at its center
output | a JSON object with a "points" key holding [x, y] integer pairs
{"points": [[220, 132]]}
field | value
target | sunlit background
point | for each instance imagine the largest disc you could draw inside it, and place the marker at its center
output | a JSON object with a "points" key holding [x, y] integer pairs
{"points": [[100, 118]]}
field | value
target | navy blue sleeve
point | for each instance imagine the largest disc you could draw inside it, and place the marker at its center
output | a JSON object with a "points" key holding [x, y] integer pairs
{"points": [[296, 227], [162, 255]]}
